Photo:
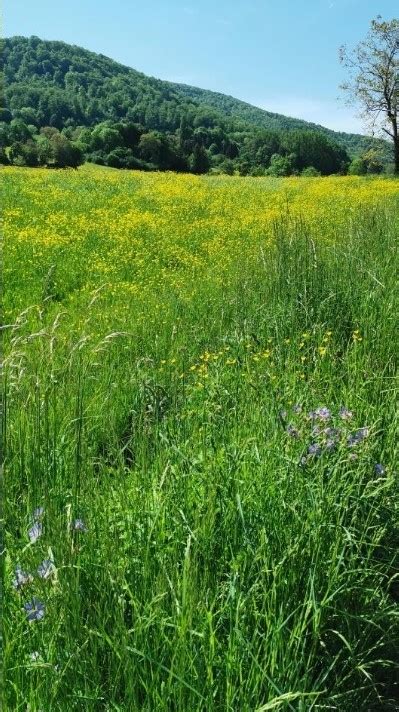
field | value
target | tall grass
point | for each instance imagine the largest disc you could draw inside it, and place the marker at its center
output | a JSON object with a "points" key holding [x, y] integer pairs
{"points": [[236, 546]]}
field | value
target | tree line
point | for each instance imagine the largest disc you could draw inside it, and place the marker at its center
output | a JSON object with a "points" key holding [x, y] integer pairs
{"points": [[64, 105]]}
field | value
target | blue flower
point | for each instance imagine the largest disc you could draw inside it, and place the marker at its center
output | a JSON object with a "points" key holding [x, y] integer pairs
{"points": [[379, 469], [297, 408], [357, 437], [46, 569], [35, 532], [314, 449], [22, 578], [38, 513], [323, 413], [34, 609]]}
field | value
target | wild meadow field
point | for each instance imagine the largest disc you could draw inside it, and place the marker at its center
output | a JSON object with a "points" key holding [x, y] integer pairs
{"points": [[199, 436]]}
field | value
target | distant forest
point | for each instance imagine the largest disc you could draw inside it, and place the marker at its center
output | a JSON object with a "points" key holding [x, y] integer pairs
{"points": [[63, 105]]}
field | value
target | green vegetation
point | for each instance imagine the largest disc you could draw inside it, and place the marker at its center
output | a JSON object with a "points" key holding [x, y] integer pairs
{"points": [[116, 116], [200, 438]]}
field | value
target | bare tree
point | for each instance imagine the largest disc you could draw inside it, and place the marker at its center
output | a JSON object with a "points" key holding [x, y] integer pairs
{"points": [[374, 79]]}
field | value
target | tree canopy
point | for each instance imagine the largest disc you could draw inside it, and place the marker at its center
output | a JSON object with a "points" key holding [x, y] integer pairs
{"points": [[374, 79]]}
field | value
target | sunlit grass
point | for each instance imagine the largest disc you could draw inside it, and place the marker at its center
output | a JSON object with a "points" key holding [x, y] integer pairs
{"points": [[199, 390]]}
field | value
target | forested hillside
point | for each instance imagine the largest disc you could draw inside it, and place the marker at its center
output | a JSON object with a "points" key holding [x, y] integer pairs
{"points": [[63, 104], [354, 143]]}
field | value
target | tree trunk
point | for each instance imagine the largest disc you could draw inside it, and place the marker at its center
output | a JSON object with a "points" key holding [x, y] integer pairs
{"points": [[396, 155], [395, 145]]}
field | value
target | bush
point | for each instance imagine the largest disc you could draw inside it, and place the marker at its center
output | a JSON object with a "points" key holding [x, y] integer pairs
{"points": [[97, 157], [310, 172], [357, 167], [3, 157], [281, 166]]}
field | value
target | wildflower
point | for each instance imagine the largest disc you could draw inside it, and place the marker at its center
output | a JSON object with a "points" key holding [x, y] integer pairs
{"points": [[22, 578], [34, 609], [323, 413], [332, 432], [35, 656], [78, 525], [345, 414], [38, 513], [35, 532], [314, 449], [379, 469], [330, 444], [283, 414], [322, 350], [292, 431], [357, 437], [46, 569], [297, 408]]}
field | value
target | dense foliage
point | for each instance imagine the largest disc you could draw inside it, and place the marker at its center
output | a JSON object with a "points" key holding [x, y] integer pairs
{"points": [[119, 117]]}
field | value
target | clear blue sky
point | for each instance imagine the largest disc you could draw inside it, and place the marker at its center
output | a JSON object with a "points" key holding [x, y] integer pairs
{"points": [[281, 55]]}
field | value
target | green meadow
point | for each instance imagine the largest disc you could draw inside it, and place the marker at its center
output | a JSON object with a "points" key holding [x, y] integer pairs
{"points": [[199, 438]]}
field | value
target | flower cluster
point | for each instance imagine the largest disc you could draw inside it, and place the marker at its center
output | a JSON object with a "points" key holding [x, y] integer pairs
{"points": [[35, 608], [322, 431]]}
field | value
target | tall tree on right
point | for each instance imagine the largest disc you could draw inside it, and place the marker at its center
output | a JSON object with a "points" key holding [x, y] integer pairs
{"points": [[373, 83]]}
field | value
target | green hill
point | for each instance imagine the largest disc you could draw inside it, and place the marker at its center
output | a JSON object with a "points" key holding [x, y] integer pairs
{"points": [[237, 109], [53, 84]]}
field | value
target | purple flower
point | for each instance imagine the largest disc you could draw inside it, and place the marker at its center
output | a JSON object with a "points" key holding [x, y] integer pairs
{"points": [[34, 609], [292, 431], [323, 413], [379, 469], [297, 408], [35, 532], [283, 414], [78, 525], [314, 449], [330, 444], [345, 414], [46, 569], [22, 578], [38, 513]]}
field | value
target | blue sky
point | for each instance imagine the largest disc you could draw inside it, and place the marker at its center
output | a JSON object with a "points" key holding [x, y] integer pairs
{"points": [[281, 55]]}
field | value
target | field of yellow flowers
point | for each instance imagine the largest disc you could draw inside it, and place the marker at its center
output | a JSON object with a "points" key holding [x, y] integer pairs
{"points": [[199, 435]]}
